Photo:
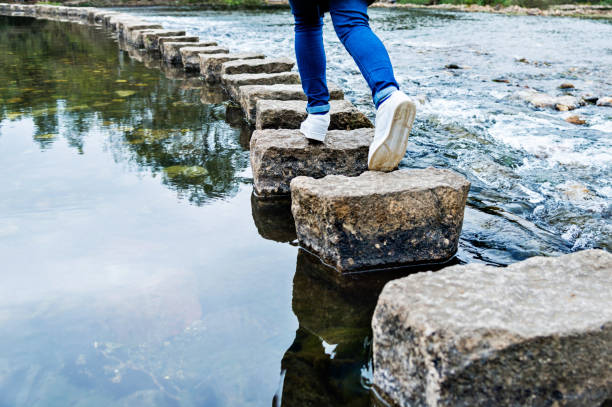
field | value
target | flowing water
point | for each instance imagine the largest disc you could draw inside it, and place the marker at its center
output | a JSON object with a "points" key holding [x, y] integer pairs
{"points": [[137, 267]]}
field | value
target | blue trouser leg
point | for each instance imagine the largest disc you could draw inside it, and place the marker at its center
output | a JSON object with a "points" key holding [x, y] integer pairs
{"points": [[310, 53], [351, 22]]}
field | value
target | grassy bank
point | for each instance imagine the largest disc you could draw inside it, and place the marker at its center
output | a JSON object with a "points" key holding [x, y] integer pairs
{"points": [[542, 4]]}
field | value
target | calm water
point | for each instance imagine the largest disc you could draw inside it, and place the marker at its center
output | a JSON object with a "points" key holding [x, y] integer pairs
{"points": [[137, 268]]}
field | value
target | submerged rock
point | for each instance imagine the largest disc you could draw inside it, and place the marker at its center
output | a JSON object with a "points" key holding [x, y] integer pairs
{"points": [[379, 220], [210, 64], [542, 100], [289, 114], [232, 83], [575, 120], [191, 56], [250, 94], [278, 156], [605, 101], [536, 333]]}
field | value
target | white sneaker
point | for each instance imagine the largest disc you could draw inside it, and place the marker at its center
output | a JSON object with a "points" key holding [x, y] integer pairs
{"points": [[315, 126], [394, 119]]}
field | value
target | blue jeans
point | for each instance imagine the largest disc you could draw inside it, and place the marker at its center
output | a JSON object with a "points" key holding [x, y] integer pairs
{"points": [[350, 19]]}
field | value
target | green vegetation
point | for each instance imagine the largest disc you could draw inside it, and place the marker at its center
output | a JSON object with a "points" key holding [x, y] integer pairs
{"points": [[543, 4]]}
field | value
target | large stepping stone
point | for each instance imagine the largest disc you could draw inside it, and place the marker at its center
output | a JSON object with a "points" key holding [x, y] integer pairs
{"points": [[210, 64], [126, 29], [191, 56], [171, 51], [250, 94], [183, 39], [289, 114], [379, 220], [278, 156], [150, 38], [137, 37], [268, 65], [232, 83], [537, 333]]}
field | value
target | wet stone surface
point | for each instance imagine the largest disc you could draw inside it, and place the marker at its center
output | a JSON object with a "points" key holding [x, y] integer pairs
{"points": [[232, 83], [536, 333], [378, 220], [278, 156], [210, 64], [150, 39], [191, 55], [171, 51], [267, 65], [250, 94], [280, 114]]}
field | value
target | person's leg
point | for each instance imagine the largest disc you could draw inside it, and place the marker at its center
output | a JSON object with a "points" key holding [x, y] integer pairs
{"points": [[310, 54], [350, 18]]}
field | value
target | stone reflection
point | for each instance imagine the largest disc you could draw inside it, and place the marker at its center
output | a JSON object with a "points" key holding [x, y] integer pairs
{"points": [[146, 117], [329, 360], [272, 217]]}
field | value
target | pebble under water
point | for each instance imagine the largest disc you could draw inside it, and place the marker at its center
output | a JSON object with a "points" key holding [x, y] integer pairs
{"points": [[138, 269]]}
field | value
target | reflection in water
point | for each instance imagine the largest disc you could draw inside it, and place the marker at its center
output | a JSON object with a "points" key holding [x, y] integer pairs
{"points": [[273, 218], [158, 124], [328, 363]]}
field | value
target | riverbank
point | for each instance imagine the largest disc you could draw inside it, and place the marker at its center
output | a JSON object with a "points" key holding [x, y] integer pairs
{"points": [[563, 10]]}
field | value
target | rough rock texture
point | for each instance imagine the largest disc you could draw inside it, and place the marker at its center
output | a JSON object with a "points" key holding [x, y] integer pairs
{"points": [[191, 56], [150, 39], [268, 65], [538, 333], [183, 39], [210, 64], [289, 114], [125, 29], [605, 101], [378, 219], [542, 100], [232, 83], [137, 37], [250, 94], [278, 156], [171, 51], [272, 217]]}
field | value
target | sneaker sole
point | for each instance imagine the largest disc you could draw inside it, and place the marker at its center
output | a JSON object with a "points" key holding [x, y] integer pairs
{"points": [[392, 148]]}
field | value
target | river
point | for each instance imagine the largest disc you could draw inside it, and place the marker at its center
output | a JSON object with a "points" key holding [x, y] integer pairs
{"points": [[137, 267]]}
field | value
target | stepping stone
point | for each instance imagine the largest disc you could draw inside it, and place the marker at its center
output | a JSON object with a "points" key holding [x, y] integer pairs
{"points": [[289, 114], [183, 39], [171, 51], [537, 333], [150, 39], [137, 37], [278, 156], [210, 64], [268, 65], [250, 94], [127, 27], [191, 55], [232, 83], [380, 220], [112, 21]]}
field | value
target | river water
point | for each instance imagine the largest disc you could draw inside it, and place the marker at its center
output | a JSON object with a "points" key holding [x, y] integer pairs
{"points": [[137, 267]]}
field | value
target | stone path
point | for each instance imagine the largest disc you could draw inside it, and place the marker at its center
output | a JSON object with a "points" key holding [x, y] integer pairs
{"points": [[536, 333]]}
